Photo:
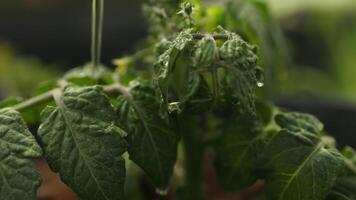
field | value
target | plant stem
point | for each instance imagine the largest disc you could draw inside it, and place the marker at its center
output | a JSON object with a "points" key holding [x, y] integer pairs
{"points": [[43, 98], [97, 28], [215, 80], [350, 166], [214, 73], [48, 96], [193, 155], [115, 89]]}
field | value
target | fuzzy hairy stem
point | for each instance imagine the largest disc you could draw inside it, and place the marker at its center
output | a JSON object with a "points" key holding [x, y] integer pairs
{"points": [[37, 100], [48, 96]]}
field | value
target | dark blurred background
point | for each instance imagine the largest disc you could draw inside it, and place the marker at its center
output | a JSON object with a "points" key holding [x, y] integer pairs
{"points": [[59, 31]]}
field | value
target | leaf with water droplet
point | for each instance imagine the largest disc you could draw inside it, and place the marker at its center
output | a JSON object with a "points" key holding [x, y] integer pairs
{"points": [[239, 82]]}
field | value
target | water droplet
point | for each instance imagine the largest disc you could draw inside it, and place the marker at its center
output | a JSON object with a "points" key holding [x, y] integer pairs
{"points": [[260, 84], [259, 77], [166, 63], [174, 107], [162, 192]]}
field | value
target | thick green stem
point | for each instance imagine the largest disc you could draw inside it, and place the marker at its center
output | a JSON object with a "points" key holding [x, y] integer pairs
{"points": [[97, 28], [350, 166], [215, 80], [214, 73], [193, 155]]}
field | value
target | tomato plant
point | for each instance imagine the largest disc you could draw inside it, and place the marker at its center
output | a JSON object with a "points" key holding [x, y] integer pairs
{"points": [[195, 88]]}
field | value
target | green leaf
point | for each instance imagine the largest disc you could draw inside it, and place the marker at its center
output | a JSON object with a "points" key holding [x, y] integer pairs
{"points": [[240, 82], [193, 91], [197, 97], [241, 141], [205, 52], [9, 102], [350, 164], [44, 87], [84, 76], [83, 142], [296, 163], [165, 64], [350, 154], [344, 189], [15, 134], [299, 122], [236, 153], [19, 178], [152, 141], [166, 61]]}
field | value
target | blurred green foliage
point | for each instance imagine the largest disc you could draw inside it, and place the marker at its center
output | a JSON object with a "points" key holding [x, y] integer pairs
{"points": [[282, 8], [20, 74], [329, 27]]}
